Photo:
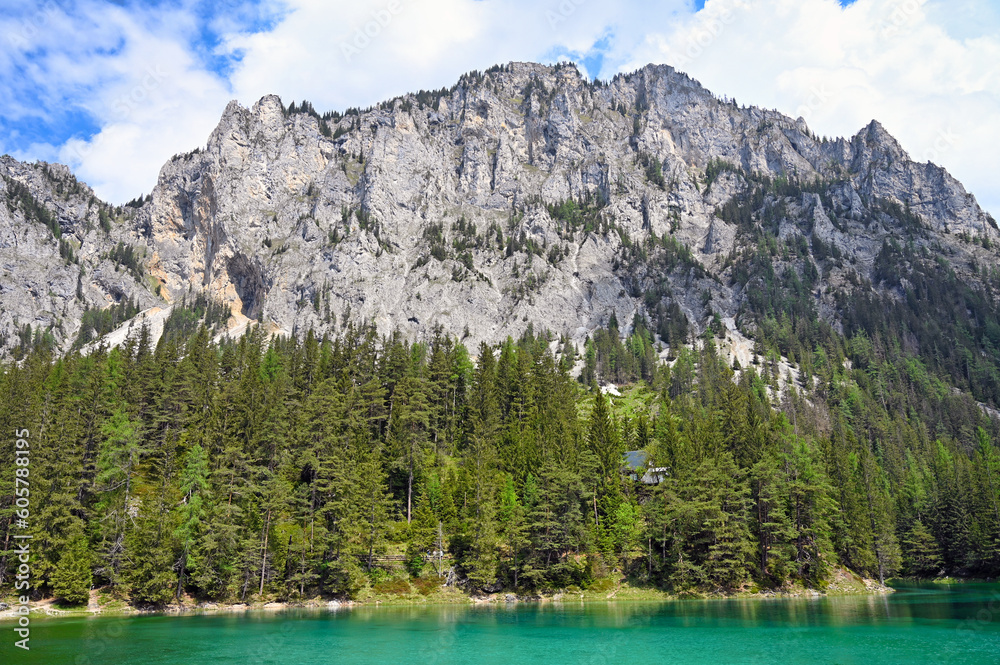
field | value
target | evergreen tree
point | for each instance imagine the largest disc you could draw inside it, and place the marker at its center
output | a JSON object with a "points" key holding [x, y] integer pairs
{"points": [[604, 441], [774, 531], [149, 579], [921, 554], [484, 417], [724, 521], [117, 461], [193, 485], [72, 578], [513, 530]]}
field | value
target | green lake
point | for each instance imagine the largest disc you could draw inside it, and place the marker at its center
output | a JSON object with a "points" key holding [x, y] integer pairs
{"points": [[928, 624]]}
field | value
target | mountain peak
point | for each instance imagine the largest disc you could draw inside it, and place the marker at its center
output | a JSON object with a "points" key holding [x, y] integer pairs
{"points": [[519, 197], [880, 140]]}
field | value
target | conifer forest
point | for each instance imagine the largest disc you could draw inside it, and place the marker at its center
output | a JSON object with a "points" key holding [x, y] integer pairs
{"points": [[296, 467]]}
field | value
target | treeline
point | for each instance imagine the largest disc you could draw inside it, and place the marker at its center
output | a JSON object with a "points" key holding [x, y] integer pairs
{"points": [[295, 467]]}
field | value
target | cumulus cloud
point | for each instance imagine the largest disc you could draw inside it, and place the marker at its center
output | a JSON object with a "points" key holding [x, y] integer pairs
{"points": [[131, 73], [367, 51], [160, 102]]}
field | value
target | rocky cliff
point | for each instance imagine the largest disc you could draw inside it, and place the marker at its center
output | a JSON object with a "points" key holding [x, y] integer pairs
{"points": [[525, 195]]}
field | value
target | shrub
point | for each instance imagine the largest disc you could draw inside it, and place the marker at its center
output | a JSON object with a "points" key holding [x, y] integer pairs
{"points": [[427, 585], [395, 587]]}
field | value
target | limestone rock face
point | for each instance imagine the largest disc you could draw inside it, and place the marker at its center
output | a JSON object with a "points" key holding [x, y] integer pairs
{"points": [[48, 283], [449, 209]]}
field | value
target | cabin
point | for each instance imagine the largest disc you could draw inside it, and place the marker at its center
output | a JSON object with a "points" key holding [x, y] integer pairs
{"points": [[636, 462]]}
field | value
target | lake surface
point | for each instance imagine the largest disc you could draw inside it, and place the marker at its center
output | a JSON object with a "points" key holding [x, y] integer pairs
{"points": [[939, 624]]}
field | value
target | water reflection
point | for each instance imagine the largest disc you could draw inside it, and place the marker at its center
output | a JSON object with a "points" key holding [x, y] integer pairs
{"points": [[917, 624], [912, 603]]}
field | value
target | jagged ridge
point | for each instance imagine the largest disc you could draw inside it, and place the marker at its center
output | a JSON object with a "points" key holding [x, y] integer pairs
{"points": [[450, 209]]}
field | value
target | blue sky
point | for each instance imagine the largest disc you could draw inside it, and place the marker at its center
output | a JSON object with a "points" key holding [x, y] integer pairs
{"points": [[115, 88]]}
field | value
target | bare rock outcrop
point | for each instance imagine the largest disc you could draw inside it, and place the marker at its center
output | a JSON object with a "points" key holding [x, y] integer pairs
{"points": [[517, 198]]}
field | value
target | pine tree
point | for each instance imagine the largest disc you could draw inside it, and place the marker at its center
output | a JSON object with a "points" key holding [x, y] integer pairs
{"points": [[422, 536], [872, 483], [604, 440], [682, 542], [374, 504], [56, 439], [555, 524], [118, 457], [72, 579], [148, 574], [774, 532], [274, 501], [194, 487], [484, 421], [949, 519], [988, 465], [725, 522], [810, 506], [626, 529], [921, 554], [513, 529], [408, 426]]}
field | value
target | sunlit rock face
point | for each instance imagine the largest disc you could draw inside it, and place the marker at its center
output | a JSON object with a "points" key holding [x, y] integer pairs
{"points": [[450, 209]]}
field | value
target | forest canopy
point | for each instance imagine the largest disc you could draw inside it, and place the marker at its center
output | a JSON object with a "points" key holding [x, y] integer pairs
{"points": [[297, 467]]}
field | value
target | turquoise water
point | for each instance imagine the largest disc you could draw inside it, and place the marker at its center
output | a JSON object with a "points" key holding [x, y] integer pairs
{"points": [[959, 624]]}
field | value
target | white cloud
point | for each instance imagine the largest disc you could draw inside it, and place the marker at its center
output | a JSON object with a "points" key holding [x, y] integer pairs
{"points": [[931, 78], [132, 72], [160, 103], [363, 52]]}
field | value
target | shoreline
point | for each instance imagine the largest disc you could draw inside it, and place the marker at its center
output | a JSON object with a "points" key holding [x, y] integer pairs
{"points": [[845, 585], [947, 580]]}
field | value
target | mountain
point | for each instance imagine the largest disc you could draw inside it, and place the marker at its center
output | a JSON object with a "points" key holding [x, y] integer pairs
{"points": [[522, 196], [805, 331]]}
